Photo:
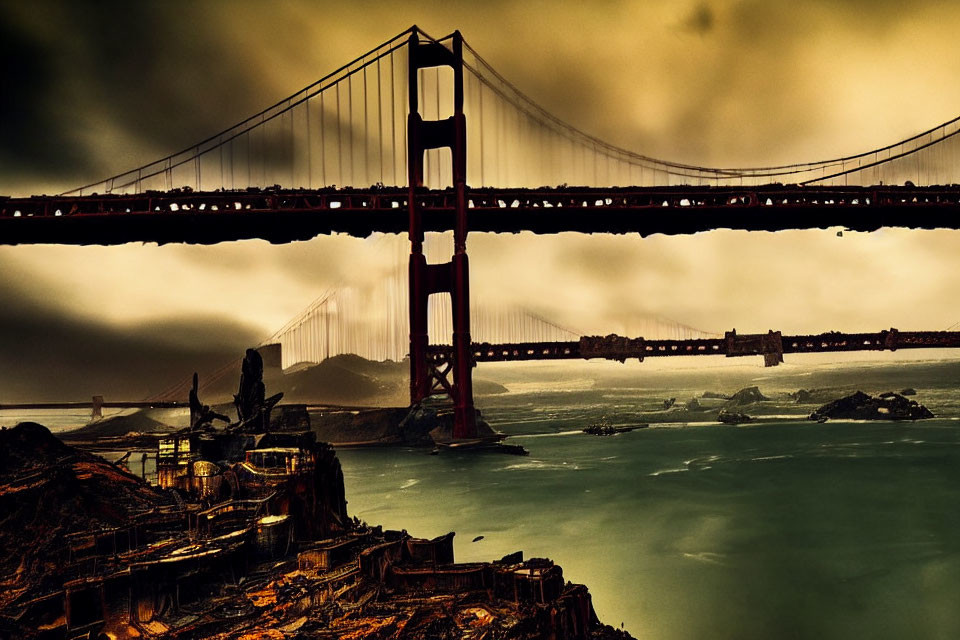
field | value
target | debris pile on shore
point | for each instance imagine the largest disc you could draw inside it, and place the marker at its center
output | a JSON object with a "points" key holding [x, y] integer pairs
{"points": [[249, 538], [49, 491]]}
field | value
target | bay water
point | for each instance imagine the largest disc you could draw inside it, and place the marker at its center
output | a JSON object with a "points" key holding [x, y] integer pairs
{"points": [[784, 528]]}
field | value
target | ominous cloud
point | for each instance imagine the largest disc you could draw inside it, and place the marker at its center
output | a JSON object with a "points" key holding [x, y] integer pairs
{"points": [[95, 88], [91, 89], [48, 354]]}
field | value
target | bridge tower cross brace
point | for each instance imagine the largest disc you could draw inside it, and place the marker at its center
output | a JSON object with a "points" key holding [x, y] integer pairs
{"points": [[454, 276]]}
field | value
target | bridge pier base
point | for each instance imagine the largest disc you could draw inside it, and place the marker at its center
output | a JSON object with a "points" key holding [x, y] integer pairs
{"points": [[452, 277]]}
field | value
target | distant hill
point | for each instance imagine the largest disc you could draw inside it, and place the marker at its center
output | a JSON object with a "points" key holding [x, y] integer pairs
{"points": [[344, 379]]}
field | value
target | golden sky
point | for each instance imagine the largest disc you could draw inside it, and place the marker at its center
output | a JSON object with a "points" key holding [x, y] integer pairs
{"points": [[94, 89]]}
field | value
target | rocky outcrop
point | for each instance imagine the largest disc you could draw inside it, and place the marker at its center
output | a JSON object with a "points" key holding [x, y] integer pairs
{"points": [[860, 406], [746, 396]]}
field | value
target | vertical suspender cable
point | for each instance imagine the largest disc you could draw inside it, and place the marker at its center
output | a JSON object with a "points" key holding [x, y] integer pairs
{"points": [[393, 124], [339, 140], [293, 154], [323, 144], [366, 133], [483, 182], [379, 120], [309, 150], [350, 124]]}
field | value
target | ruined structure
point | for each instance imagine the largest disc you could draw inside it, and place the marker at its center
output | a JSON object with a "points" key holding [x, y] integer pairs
{"points": [[242, 535], [253, 407]]}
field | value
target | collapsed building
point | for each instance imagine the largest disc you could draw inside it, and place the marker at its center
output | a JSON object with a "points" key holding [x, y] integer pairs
{"points": [[244, 534]]}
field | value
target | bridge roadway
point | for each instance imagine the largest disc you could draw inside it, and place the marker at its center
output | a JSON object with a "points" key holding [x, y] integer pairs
{"points": [[282, 216], [772, 346]]}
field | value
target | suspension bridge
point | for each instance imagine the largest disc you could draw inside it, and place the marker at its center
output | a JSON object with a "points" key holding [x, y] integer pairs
{"points": [[381, 144]]}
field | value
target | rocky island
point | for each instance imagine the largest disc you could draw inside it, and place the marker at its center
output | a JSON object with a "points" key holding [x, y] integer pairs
{"points": [[860, 406]]}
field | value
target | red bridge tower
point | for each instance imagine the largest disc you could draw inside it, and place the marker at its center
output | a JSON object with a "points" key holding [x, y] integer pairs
{"points": [[453, 276]]}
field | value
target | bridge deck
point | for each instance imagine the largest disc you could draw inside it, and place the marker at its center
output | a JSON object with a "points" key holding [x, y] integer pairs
{"points": [[614, 347], [287, 215]]}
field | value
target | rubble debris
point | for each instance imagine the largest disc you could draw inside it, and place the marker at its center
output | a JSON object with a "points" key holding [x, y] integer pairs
{"points": [[201, 415], [60, 504], [253, 408], [246, 535], [733, 417], [860, 406]]}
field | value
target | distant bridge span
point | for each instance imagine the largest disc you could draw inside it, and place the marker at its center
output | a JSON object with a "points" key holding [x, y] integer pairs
{"points": [[283, 215], [772, 346]]}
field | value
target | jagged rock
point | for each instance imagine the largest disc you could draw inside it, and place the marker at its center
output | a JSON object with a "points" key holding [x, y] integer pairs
{"points": [[860, 406], [415, 428], [746, 396]]}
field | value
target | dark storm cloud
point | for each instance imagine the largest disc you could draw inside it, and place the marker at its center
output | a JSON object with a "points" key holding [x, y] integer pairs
{"points": [[103, 87], [108, 86], [161, 74], [47, 355], [33, 136]]}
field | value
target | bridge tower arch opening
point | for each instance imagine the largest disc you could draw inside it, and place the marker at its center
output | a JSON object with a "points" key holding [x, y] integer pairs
{"points": [[450, 277]]}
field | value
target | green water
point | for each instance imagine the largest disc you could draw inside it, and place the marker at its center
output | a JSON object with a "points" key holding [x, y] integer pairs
{"points": [[786, 529]]}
